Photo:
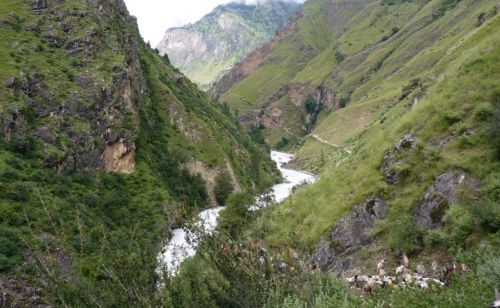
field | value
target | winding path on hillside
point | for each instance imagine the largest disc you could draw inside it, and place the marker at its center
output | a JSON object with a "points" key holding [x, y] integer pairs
{"points": [[318, 138]]}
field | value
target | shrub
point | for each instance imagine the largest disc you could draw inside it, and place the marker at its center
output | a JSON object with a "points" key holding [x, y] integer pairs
{"points": [[446, 5], [491, 186], [486, 215], [311, 105], [459, 225], [18, 191], [489, 271], [344, 101], [282, 143], [223, 187], [495, 123], [233, 218], [339, 57], [26, 146], [404, 235], [10, 252]]}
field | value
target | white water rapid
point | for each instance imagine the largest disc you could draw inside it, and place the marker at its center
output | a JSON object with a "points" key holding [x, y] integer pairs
{"points": [[182, 245]]}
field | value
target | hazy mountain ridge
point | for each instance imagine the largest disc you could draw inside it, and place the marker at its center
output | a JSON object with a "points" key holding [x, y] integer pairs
{"points": [[206, 49]]}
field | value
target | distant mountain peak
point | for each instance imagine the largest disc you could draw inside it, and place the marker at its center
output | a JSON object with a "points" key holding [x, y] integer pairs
{"points": [[209, 47]]}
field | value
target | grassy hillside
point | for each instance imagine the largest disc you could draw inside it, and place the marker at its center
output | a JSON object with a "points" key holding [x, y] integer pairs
{"points": [[424, 71], [98, 139], [351, 52], [451, 110]]}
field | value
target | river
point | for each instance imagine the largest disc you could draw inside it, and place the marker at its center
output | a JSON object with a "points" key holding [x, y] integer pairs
{"points": [[181, 247]]}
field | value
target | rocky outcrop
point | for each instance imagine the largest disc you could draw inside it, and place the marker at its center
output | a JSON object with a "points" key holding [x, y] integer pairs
{"points": [[102, 105], [16, 292], [40, 5], [119, 157], [392, 170], [443, 194], [209, 175], [350, 234], [299, 93], [272, 116]]}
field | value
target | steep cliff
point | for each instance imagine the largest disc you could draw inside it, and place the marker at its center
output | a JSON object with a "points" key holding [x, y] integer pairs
{"points": [[208, 48], [98, 136]]}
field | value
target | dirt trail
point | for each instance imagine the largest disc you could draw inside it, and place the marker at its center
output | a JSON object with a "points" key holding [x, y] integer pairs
{"points": [[318, 138]]}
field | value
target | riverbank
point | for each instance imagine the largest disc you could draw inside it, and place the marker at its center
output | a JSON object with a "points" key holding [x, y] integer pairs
{"points": [[183, 243]]}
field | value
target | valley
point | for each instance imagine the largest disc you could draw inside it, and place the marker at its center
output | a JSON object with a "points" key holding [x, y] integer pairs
{"points": [[183, 243], [330, 153]]}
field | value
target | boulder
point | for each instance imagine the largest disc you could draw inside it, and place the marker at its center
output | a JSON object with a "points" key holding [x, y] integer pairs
{"points": [[430, 209], [10, 83], [392, 169], [52, 36], [350, 234], [39, 5], [33, 27]]}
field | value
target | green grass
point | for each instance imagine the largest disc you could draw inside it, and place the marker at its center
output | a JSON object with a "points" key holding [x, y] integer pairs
{"points": [[376, 65], [465, 86], [110, 226]]}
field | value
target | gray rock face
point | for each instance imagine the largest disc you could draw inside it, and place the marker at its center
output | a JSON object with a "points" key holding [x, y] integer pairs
{"points": [[393, 173], [102, 106], [349, 235], [430, 209], [52, 36]]}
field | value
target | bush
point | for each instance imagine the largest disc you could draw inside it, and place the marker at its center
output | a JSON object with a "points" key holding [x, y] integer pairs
{"points": [[18, 192], [26, 146], [282, 143], [491, 186], [233, 218], [460, 224], [495, 123], [339, 57], [223, 187], [311, 105], [10, 252], [489, 271], [404, 235], [487, 215], [446, 5]]}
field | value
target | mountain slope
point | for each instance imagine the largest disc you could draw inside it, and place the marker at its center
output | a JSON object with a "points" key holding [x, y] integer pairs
{"points": [[338, 57], [271, 70], [103, 146], [408, 155], [411, 137], [206, 49]]}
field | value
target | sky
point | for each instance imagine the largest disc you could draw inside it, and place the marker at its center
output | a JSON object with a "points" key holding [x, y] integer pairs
{"points": [[156, 16]]}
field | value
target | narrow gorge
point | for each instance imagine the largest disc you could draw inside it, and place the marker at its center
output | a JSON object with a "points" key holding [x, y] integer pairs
{"points": [[271, 153]]}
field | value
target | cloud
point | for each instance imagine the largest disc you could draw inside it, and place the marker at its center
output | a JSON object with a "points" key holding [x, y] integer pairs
{"points": [[156, 16]]}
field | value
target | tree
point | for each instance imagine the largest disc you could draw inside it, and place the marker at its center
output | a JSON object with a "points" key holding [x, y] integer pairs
{"points": [[233, 218], [223, 187]]}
